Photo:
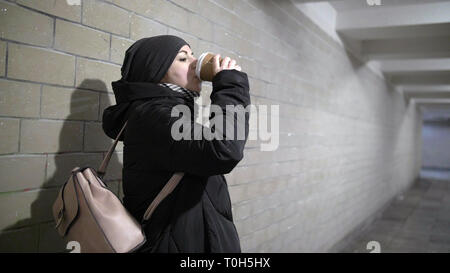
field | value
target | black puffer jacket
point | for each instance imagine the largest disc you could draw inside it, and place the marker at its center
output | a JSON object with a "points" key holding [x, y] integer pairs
{"points": [[196, 216]]}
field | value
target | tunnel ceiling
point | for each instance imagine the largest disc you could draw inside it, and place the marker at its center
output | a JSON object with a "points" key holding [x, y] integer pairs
{"points": [[408, 40]]}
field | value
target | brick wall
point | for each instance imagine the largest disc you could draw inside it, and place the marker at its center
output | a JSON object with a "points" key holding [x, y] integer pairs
{"points": [[348, 143]]}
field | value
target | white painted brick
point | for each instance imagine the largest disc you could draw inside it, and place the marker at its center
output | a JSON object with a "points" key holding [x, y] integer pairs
{"points": [[81, 40], [41, 65], [112, 19], [32, 174], [9, 135], [118, 48], [26, 208], [58, 8], [141, 27], [23, 25], [19, 99], [41, 136], [60, 165], [96, 75], [67, 103], [2, 58]]}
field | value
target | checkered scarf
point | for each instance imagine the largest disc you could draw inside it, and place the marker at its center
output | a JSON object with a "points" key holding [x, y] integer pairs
{"points": [[190, 95]]}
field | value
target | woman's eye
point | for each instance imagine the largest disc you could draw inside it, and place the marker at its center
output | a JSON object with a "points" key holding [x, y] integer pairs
{"points": [[183, 59]]}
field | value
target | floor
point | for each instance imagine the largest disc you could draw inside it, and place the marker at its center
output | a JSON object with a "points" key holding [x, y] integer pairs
{"points": [[418, 221]]}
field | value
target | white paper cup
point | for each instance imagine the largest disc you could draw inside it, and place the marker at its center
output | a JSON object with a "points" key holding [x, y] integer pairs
{"points": [[204, 68]]}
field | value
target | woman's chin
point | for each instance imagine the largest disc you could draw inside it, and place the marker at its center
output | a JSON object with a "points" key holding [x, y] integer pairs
{"points": [[197, 88]]}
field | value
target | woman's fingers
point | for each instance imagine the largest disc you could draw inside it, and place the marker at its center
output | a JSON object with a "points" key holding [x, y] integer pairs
{"points": [[225, 63], [232, 64]]}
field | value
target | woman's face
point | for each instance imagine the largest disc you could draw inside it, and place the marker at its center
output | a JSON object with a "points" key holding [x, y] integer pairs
{"points": [[182, 71]]}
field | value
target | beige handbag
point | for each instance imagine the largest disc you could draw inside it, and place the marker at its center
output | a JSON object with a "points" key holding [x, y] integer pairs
{"points": [[87, 212]]}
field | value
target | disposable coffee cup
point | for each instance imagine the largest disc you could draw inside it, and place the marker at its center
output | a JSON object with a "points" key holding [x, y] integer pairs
{"points": [[204, 69]]}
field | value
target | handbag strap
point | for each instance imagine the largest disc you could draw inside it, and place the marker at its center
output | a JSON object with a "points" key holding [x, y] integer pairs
{"points": [[102, 169], [166, 190]]}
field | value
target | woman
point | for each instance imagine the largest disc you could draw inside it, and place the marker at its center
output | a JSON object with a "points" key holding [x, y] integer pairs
{"points": [[158, 74]]}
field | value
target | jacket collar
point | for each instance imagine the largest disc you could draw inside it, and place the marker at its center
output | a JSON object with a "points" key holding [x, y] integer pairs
{"points": [[125, 91]]}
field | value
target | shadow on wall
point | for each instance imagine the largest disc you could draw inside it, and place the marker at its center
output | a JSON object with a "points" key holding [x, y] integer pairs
{"points": [[37, 233]]}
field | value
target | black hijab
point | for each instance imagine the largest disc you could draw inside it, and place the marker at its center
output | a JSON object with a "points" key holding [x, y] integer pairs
{"points": [[145, 64], [148, 59]]}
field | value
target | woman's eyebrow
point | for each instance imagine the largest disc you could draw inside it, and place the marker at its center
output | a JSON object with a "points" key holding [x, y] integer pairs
{"points": [[183, 51]]}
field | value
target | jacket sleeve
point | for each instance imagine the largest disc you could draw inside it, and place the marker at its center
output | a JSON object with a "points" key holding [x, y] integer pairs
{"points": [[205, 157]]}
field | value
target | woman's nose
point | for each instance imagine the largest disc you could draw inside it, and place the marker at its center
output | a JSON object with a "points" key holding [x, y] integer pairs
{"points": [[194, 63]]}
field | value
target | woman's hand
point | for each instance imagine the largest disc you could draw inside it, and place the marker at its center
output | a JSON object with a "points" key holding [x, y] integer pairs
{"points": [[227, 64]]}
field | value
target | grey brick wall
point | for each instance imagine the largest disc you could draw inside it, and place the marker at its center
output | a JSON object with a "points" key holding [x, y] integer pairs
{"points": [[348, 143]]}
